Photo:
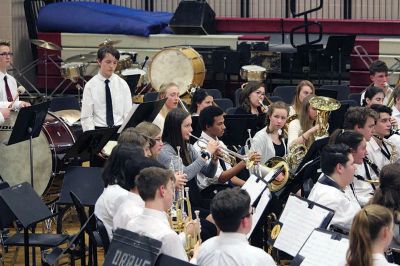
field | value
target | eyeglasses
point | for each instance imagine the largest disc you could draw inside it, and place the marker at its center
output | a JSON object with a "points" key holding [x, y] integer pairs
{"points": [[5, 54], [251, 212]]}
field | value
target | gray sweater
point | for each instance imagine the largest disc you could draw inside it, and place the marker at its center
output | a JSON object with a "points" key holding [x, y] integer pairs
{"points": [[208, 168]]}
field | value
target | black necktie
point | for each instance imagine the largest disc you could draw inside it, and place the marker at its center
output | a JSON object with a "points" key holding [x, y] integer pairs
{"points": [[109, 107], [8, 91]]}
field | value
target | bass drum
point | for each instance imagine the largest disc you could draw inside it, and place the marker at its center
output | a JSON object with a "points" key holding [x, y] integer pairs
{"points": [[181, 65], [55, 138]]}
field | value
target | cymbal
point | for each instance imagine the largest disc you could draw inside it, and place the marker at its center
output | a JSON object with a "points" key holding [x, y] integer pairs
{"points": [[84, 58], [46, 45], [109, 42], [69, 116]]}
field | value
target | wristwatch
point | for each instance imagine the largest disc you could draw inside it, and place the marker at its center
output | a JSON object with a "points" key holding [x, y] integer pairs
{"points": [[205, 155]]}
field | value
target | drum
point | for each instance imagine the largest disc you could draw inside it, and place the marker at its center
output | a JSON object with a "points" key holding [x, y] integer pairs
{"points": [[72, 70], [253, 73], [124, 62], [55, 138], [182, 65]]}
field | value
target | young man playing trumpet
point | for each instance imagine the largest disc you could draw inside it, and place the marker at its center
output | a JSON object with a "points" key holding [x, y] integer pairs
{"points": [[157, 189], [211, 120]]}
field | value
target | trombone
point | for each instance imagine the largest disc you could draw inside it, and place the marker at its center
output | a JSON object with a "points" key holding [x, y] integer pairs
{"points": [[228, 155]]}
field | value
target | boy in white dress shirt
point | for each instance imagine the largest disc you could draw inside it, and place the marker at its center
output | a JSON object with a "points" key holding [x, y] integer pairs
{"points": [[232, 213], [332, 189], [157, 189], [106, 99]]}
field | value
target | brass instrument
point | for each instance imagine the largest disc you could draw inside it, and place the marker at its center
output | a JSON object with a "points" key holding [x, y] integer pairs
{"points": [[271, 165], [288, 120], [183, 105], [394, 153], [323, 105], [295, 156], [391, 99], [228, 155]]}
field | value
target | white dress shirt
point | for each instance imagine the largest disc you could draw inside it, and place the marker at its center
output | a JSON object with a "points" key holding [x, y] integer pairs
{"points": [[232, 249], [263, 145], [396, 114], [362, 188], [202, 180], [379, 259], [12, 84], [341, 201], [159, 121], [131, 206], [395, 140], [375, 154], [94, 101], [154, 224], [107, 204]]}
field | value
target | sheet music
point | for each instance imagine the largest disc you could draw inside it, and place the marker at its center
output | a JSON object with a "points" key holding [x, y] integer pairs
{"points": [[298, 223], [253, 187], [321, 249], [262, 204], [128, 117]]}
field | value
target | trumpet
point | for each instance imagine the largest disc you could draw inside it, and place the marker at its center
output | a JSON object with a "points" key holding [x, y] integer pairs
{"points": [[228, 155], [263, 106]]}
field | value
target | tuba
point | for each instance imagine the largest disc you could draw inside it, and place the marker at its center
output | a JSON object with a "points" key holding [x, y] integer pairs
{"points": [[324, 106]]}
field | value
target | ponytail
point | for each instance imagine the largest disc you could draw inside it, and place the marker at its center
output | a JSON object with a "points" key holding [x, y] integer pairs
{"points": [[365, 229]]}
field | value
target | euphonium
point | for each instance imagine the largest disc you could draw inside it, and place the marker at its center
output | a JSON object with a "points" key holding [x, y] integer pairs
{"points": [[323, 105], [391, 99], [295, 156]]}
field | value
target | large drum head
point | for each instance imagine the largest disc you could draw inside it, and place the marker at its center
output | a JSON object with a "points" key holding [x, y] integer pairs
{"points": [[14, 159], [184, 66]]}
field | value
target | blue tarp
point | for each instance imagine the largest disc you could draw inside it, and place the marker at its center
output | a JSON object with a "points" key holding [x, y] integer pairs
{"points": [[88, 17]]}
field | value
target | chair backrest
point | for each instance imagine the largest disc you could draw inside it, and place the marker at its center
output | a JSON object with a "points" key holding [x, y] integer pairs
{"points": [[351, 103], [275, 98], [6, 216], [326, 93], [287, 93], [224, 103], [150, 96], [68, 102], [101, 229], [237, 96], [216, 94], [355, 97], [79, 208], [343, 91], [231, 110]]}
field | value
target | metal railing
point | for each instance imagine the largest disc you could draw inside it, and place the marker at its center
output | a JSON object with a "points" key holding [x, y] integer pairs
{"points": [[332, 9]]}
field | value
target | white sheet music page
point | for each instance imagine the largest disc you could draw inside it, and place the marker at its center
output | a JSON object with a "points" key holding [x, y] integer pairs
{"points": [[253, 187], [262, 204], [321, 249], [128, 117], [298, 223]]}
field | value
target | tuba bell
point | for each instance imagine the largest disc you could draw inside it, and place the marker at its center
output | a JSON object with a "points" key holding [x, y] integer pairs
{"points": [[324, 106]]}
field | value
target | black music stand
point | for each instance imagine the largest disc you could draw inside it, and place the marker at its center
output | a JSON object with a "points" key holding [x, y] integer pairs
{"points": [[237, 126], [146, 111], [89, 144], [29, 209], [28, 126], [338, 49], [133, 245], [86, 182]]}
